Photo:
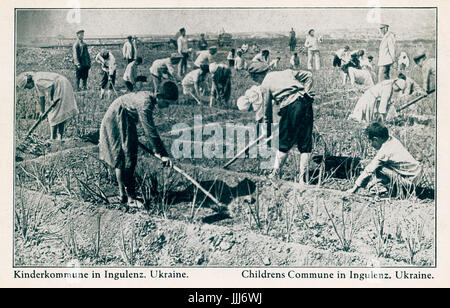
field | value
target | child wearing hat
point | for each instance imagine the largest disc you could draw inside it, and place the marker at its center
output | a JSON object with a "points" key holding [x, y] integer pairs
{"points": [[118, 145], [392, 166], [374, 104], [163, 69], [312, 46], [130, 75], [52, 87], [81, 59], [108, 65], [386, 55]]}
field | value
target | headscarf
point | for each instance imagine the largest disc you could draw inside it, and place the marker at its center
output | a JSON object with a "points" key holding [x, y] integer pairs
{"points": [[22, 79]]}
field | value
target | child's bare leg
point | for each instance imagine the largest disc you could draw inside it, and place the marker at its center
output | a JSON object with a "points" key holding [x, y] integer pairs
{"points": [[120, 182]]}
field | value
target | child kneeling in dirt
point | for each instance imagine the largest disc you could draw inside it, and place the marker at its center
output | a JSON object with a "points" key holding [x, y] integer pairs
{"points": [[118, 144], [392, 166]]}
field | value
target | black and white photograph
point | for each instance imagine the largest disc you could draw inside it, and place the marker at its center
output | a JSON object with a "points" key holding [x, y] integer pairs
{"points": [[281, 142]]}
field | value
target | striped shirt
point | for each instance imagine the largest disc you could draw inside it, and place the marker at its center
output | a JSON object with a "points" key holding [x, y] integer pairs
{"points": [[285, 87]]}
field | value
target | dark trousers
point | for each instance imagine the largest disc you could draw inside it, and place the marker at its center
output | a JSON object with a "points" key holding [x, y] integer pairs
{"points": [[82, 73], [296, 126], [130, 86]]}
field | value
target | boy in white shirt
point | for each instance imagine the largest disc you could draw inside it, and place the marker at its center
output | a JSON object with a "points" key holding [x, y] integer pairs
{"points": [[108, 62], [392, 165]]}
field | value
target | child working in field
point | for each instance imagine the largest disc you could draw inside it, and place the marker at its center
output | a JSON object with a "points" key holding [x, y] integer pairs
{"points": [[192, 81], [392, 165], [374, 104], [118, 145], [108, 65], [253, 98], [292, 92], [221, 84], [130, 76], [53, 87], [164, 69]]}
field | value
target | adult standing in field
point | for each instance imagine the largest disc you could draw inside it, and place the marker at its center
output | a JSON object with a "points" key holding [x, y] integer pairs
{"points": [[163, 69], [129, 50], [205, 57], [312, 46], [82, 60], [428, 66], [292, 40], [130, 76], [118, 145], [386, 55], [291, 90], [221, 83], [375, 102], [52, 87], [108, 65], [393, 166], [202, 43], [183, 50]]}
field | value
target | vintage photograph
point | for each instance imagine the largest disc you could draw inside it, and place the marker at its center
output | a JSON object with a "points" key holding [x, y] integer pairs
{"points": [[225, 137]]}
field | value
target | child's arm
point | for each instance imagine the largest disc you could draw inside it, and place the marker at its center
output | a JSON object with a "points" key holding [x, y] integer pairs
{"points": [[367, 172]]}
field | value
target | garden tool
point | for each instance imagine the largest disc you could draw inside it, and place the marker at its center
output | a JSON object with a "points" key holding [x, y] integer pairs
{"points": [[249, 146], [417, 99], [41, 118], [188, 177]]}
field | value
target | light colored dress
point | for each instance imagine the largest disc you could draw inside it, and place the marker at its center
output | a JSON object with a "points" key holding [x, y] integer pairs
{"points": [[375, 100], [53, 85], [118, 144]]}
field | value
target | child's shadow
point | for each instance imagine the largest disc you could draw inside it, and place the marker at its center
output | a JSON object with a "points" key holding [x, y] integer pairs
{"points": [[220, 190]]}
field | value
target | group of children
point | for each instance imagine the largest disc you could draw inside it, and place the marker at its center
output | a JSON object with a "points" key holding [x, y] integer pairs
{"points": [[283, 94]]}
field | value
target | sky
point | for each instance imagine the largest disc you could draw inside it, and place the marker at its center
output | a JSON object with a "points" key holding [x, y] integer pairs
{"points": [[115, 22]]}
